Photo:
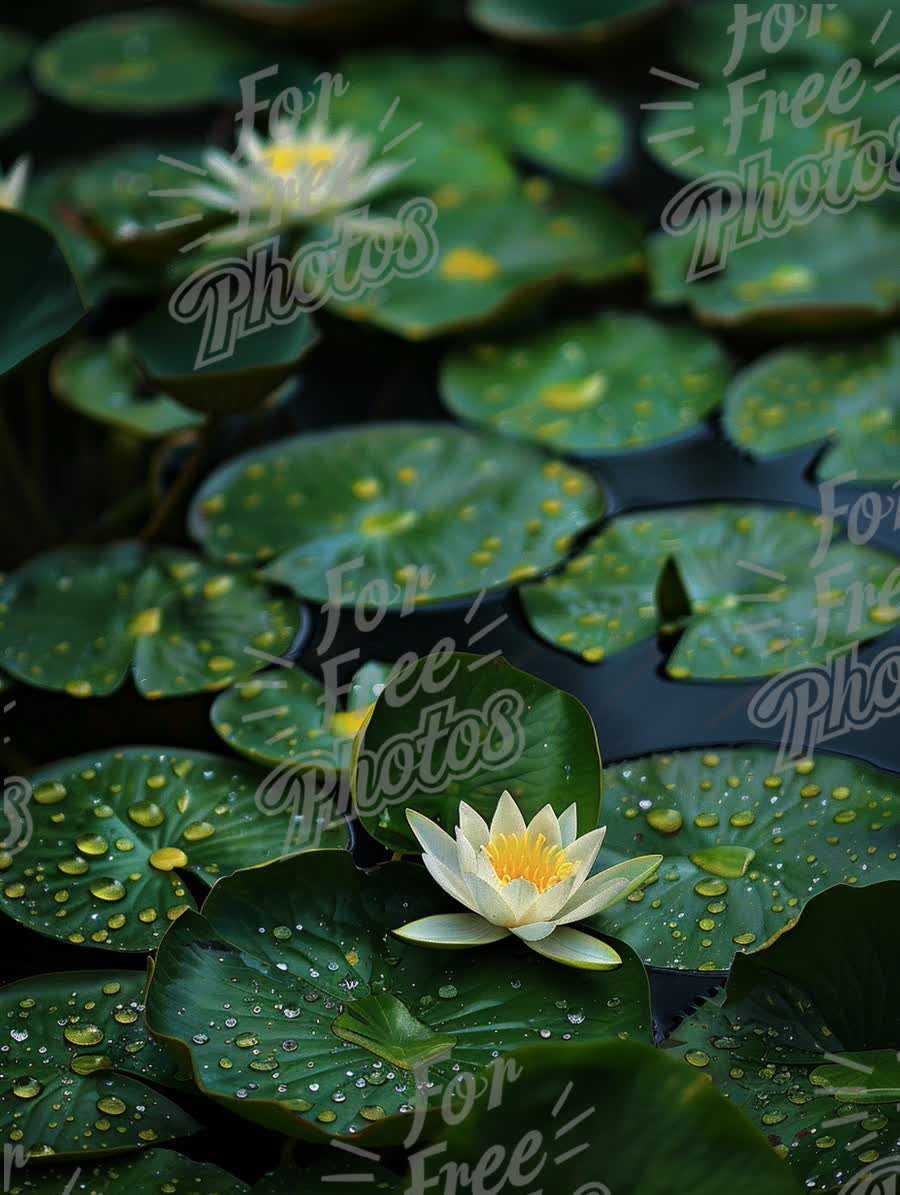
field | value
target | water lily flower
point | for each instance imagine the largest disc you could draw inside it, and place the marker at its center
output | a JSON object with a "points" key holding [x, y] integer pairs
{"points": [[293, 177], [532, 881], [13, 183]]}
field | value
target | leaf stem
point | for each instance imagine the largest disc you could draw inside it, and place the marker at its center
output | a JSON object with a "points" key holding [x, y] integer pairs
{"points": [[174, 498]]}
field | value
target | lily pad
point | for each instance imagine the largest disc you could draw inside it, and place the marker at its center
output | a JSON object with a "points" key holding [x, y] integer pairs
{"points": [[39, 297], [829, 274], [616, 1116], [743, 583], [16, 106], [457, 727], [709, 139], [466, 102], [493, 253], [745, 846], [15, 50], [80, 620], [100, 379], [330, 1020], [804, 395], [567, 23], [398, 510], [153, 60], [281, 716], [132, 200], [614, 383], [862, 1077], [154, 1170], [823, 38], [75, 1049], [792, 1016], [114, 832], [178, 356]]}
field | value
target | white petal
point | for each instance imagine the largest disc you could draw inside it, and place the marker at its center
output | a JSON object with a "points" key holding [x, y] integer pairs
{"points": [[576, 949], [433, 839], [546, 822], [490, 902], [507, 817], [467, 859], [568, 825], [452, 930], [607, 887], [450, 882], [583, 851], [520, 895], [550, 902], [473, 825], [534, 931]]}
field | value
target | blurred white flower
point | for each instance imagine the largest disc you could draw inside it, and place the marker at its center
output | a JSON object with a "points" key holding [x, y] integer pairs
{"points": [[531, 881], [13, 184], [295, 177]]}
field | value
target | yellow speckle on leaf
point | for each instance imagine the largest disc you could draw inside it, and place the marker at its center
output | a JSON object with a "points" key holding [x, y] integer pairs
{"points": [[469, 265]]}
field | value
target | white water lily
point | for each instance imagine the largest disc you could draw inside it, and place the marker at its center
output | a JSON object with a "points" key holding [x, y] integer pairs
{"points": [[531, 881], [293, 177], [13, 183]]}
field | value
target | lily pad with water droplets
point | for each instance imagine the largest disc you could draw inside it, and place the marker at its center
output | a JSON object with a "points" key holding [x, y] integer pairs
{"points": [[457, 727], [466, 102], [567, 23], [101, 380], [143, 62], [154, 1172], [615, 383], [395, 509], [75, 1047], [744, 584], [79, 620], [286, 716], [495, 253], [746, 846], [327, 1014], [830, 274], [804, 395], [39, 297], [615, 1116], [115, 832], [793, 1017]]}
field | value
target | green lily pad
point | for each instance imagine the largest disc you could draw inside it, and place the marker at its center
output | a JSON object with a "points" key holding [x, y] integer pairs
{"points": [[39, 297], [830, 274], [616, 1116], [793, 1007], [401, 510], [151, 1171], [153, 60], [132, 200], [706, 139], [496, 252], [824, 39], [16, 106], [738, 580], [804, 395], [80, 620], [745, 846], [614, 383], [474, 728], [567, 23], [114, 832], [328, 1014], [862, 1077], [466, 100], [75, 1049], [100, 379], [179, 358], [281, 716]]}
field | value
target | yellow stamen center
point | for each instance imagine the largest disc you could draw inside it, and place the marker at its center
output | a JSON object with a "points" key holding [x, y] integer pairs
{"points": [[528, 857], [286, 160]]}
